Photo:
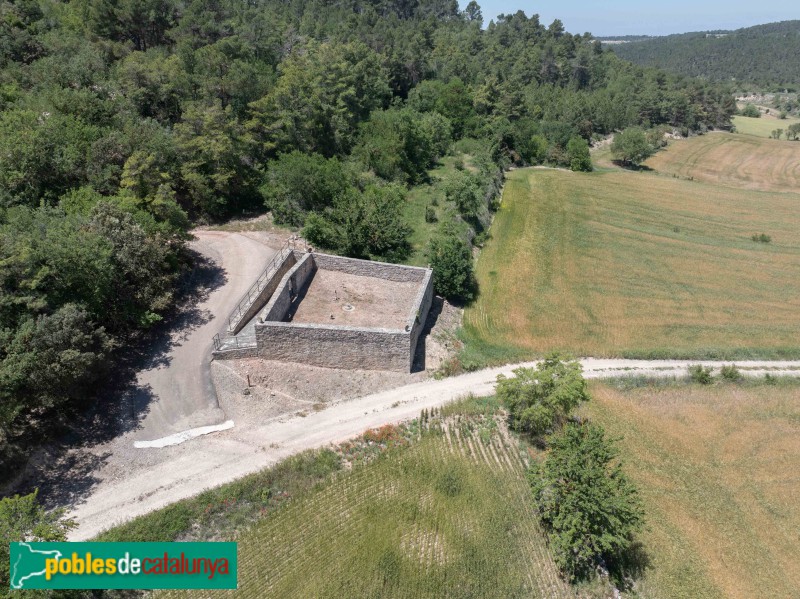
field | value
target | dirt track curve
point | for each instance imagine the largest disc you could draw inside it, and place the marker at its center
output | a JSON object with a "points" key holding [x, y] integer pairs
{"points": [[225, 456]]}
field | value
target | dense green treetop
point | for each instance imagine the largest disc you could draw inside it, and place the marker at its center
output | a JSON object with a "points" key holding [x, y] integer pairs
{"points": [[539, 400], [631, 146], [589, 508]]}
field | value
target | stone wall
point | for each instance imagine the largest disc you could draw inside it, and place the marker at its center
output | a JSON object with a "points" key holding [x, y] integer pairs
{"points": [[290, 285], [419, 312], [266, 292], [368, 268], [334, 347], [235, 353]]}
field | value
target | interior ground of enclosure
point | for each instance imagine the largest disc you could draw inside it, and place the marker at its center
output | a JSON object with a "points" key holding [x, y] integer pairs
{"points": [[342, 299]]}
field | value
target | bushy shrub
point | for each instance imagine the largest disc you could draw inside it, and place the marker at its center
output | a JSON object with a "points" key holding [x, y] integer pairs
{"points": [[402, 144], [700, 374], [540, 400], [730, 373], [451, 260], [430, 215], [297, 183], [761, 238], [657, 136], [23, 518], [578, 153], [368, 224], [463, 189]]}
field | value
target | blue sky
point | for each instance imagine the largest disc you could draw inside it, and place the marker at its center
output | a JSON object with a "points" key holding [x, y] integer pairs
{"points": [[627, 17]]}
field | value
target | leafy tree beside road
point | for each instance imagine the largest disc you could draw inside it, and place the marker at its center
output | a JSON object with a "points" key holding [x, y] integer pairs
{"points": [[588, 508], [540, 400]]}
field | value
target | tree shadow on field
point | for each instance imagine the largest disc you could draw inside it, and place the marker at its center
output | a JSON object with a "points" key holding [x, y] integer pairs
{"points": [[630, 566], [63, 469], [629, 166]]}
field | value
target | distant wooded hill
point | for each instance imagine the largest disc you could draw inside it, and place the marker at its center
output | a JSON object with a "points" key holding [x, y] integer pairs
{"points": [[766, 56]]}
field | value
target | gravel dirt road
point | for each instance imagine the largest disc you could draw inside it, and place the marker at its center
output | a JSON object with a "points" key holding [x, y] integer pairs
{"points": [[180, 394], [222, 457]]}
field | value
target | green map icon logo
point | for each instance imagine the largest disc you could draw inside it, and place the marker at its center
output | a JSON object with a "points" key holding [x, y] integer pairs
{"points": [[29, 563]]}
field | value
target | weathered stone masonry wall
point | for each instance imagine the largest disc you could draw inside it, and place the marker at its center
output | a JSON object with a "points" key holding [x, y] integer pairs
{"points": [[419, 313], [334, 347], [341, 346], [288, 262], [291, 284], [368, 268]]}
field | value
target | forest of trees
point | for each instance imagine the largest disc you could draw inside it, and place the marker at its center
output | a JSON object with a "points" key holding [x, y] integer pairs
{"points": [[126, 121], [766, 57]]}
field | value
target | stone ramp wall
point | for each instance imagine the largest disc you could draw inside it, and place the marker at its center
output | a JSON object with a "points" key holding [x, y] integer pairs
{"points": [[262, 296], [290, 285]]}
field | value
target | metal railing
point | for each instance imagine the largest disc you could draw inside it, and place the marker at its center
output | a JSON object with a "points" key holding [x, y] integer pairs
{"points": [[230, 342], [252, 293]]}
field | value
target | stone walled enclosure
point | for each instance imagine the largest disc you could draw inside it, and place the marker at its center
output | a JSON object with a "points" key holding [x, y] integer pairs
{"points": [[342, 313]]}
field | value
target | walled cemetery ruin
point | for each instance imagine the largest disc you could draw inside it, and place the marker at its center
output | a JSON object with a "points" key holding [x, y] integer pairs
{"points": [[330, 311]]}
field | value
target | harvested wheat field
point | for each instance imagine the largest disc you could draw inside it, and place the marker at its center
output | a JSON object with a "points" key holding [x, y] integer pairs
{"points": [[717, 468], [448, 516], [741, 161], [635, 264]]}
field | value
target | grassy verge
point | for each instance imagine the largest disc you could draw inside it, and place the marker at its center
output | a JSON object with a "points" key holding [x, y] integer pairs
{"points": [[635, 264], [716, 468], [218, 514]]}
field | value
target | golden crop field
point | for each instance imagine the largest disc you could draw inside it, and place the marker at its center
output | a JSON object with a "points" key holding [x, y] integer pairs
{"points": [[717, 468], [763, 126], [621, 263], [734, 160], [449, 516]]}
